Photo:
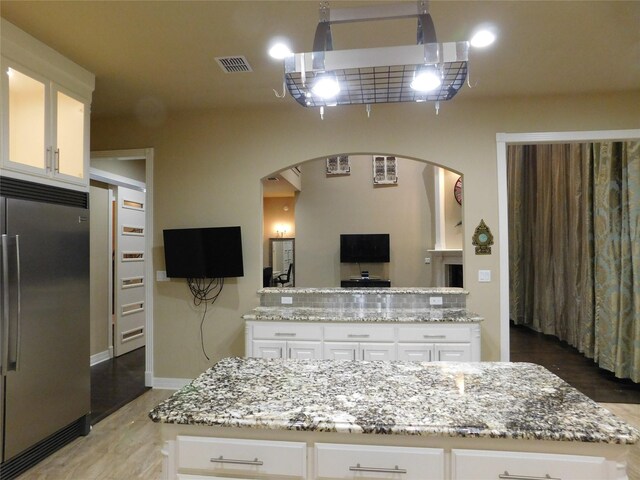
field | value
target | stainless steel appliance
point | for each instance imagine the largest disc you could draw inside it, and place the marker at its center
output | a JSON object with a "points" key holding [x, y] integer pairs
{"points": [[44, 321]]}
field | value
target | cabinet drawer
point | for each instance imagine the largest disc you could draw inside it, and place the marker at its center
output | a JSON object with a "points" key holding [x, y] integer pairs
{"points": [[335, 461], [482, 464], [435, 333], [246, 457], [286, 331], [360, 333]]}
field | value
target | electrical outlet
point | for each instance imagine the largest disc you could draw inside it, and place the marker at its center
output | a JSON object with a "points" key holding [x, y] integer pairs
{"points": [[427, 260], [286, 300], [435, 300]]}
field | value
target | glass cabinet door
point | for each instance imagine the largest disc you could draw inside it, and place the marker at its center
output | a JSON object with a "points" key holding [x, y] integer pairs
{"points": [[26, 120], [70, 134]]}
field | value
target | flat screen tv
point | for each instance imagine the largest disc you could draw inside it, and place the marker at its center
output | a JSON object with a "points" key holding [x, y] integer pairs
{"points": [[364, 248], [213, 252]]}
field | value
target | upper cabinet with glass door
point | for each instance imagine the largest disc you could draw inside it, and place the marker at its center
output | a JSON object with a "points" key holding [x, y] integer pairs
{"points": [[45, 113]]}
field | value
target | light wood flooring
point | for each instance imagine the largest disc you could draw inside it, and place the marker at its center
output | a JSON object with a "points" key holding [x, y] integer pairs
{"points": [[126, 445]]}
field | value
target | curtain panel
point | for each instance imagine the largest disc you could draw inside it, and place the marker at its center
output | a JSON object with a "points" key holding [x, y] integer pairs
{"points": [[573, 247]]}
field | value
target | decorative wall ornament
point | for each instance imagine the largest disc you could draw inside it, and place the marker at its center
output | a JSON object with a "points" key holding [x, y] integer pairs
{"points": [[457, 191], [385, 170], [339, 165], [482, 239]]}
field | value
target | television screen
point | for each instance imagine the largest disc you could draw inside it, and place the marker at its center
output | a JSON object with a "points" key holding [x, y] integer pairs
{"points": [[364, 248], [203, 252]]}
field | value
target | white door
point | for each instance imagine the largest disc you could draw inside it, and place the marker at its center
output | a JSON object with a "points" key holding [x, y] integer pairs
{"points": [[378, 351], [453, 352], [340, 350], [129, 288], [418, 352]]}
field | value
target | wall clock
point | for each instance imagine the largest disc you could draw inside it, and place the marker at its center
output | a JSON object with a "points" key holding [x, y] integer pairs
{"points": [[482, 239], [457, 191]]}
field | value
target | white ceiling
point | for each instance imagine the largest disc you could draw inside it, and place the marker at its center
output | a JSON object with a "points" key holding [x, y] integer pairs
{"points": [[160, 54]]}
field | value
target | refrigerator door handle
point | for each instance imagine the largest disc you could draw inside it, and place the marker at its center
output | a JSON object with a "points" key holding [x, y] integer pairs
{"points": [[18, 307], [4, 319]]}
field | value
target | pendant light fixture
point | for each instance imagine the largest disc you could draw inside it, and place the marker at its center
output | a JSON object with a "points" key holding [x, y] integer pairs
{"points": [[426, 71]]}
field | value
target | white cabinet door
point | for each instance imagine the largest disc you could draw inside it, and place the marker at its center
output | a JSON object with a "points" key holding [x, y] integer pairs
{"points": [[338, 461], [340, 350], [453, 352], [304, 350], [491, 465], [415, 352], [246, 458], [269, 349], [46, 132], [378, 351]]}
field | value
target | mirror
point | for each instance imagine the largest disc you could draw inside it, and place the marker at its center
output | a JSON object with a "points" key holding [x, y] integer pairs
{"points": [[282, 262]]}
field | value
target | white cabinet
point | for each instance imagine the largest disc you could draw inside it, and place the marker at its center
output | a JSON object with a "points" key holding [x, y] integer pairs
{"points": [[339, 461], [485, 465], [285, 340], [359, 342], [364, 341], [248, 458], [359, 351], [439, 342], [45, 113]]}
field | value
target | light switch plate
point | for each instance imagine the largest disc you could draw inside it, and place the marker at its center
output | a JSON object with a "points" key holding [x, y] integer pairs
{"points": [[286, 300], [484, 275], [435, 300]]}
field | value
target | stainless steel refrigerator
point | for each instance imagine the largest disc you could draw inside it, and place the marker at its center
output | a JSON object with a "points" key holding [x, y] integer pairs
{"points": [[44, 321]]}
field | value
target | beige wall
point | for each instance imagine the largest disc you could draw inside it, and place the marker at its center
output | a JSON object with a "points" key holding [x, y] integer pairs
{"points": [[275, 214], [330, 205], [100, 265], [201, 176], [133, 169]]}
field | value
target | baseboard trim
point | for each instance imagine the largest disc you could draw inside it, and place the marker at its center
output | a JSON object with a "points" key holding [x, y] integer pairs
{"points": [[99, 357], [160, 383]]}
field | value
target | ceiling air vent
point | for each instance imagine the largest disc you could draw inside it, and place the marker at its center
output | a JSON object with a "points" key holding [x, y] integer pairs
{"points": [[234, 64]]}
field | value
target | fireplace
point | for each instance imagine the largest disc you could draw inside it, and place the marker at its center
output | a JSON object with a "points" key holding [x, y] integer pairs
{"points": [[447, 270]]}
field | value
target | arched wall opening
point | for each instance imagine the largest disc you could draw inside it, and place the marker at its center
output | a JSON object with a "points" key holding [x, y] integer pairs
{"points": [[414, 203]]}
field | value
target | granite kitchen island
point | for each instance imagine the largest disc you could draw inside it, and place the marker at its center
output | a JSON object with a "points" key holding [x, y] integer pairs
{"points": [[261, 418]]}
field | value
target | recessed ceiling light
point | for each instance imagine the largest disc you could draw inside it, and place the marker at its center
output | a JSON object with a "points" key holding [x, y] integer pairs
{"points": [[326, 86], [280, 51], [426, 80], [482, 38]]}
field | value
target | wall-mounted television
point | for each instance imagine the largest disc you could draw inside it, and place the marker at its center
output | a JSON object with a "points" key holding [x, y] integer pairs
{"points": [[212, 252], [364, 248]]}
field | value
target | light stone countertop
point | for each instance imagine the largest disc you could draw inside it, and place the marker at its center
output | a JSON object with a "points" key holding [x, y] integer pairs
{"points": [[368, 291], [476, 400], [399, 315]]}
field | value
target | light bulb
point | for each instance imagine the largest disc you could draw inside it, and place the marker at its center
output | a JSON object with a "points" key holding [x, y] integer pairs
{"points": [[426, 80], [326, 86], [280, 51], [482, 38]]}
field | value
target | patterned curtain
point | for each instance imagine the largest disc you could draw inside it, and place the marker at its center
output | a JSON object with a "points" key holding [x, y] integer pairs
{"points": [[573, 247], [617, 261]]}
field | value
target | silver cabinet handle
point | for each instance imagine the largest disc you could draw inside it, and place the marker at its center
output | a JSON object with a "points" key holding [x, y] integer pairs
{"points": [[48, 158], [507, 476], [358, 335], [434, 336], [19, 306], [56, 158], [4, 348], [395, 469], [284, 334], [221, 459]]}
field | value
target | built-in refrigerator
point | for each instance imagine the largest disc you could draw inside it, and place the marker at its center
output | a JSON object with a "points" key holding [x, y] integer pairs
{"points": [[44, 321]]}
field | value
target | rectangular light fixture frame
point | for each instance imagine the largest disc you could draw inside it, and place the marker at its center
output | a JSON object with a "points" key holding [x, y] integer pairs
{"points": [[377, 75]]}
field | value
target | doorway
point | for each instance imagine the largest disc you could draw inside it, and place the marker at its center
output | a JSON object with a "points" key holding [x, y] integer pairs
{"points": [[122, 300]]}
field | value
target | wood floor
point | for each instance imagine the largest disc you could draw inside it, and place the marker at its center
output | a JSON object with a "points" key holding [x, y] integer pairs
{"points": [[126, 445], [570, 365]]}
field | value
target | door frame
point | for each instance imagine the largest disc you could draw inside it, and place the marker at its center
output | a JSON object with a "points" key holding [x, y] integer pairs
{"points": [[502, 141], [113, 179]]}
